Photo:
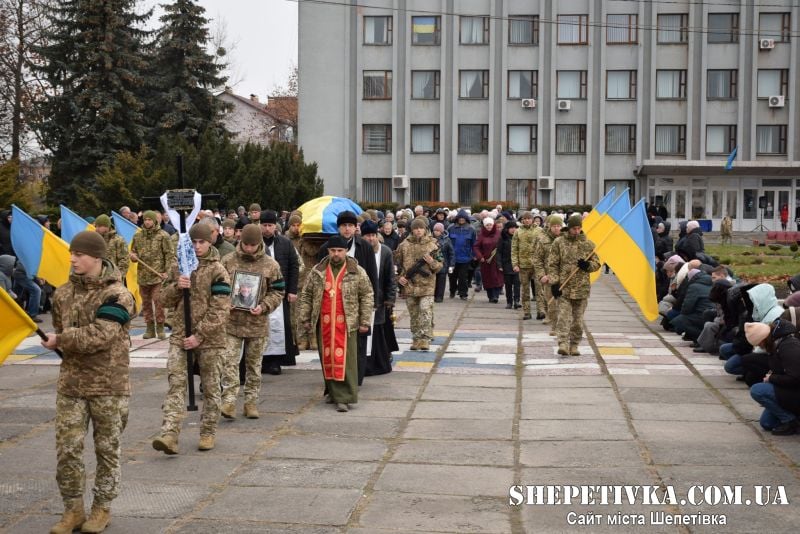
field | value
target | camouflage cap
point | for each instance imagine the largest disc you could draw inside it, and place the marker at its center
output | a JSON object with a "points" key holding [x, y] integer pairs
{"points": [[152, 215], [552, 220], [201, 231], [251, 234], [575, 221], [103, 220]]}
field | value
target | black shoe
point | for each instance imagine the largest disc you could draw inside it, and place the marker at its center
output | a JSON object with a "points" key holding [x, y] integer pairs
{"points": [[694, 344], [786, 429], [540, 316], [452, 295], [740, 378], [493, 301], [463, 298], [438, 300], [478, 289], [509, 306], [517, 305], [273, 370], [698, 349]]}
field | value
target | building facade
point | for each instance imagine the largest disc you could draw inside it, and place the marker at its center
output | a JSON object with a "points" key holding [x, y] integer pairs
{"points": [[251, 121], [546, 102]]}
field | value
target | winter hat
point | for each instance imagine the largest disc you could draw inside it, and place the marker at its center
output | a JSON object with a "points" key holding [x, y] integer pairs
{"points": [[755, 333], [369, 227], [488, 221], [150, 214], [510, 224], [691, 226], [227, 223], [89, 243], [102, 220], [692, 273], [438, 226], [251, 235], [295, 219], [337, 241], [346, 217], [525, 215], [553, 220], [254, 207], [673, 261], [200, 231], [419, 222], [268, 216], [575, 221]]}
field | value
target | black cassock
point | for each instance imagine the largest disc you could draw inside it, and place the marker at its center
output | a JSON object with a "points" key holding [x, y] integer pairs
{"points": [[384, 341]]}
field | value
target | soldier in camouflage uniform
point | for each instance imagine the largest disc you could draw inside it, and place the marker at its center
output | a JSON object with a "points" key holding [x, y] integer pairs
{"points": [[117, 249], [91, 318], [522, 245], [541, 251], [354, 288], [229, 232], [571, 255], [420, 289], [153, 246], [304, 250], [249, 327], [210, 303]]}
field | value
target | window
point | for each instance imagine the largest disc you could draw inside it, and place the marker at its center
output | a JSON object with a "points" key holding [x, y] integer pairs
{"points": [[523, 84], [622, 29], [376, 190], [673, 29], [473, 138], [722, 84], [424, 189], [474, 30], [775, 26], [773, 82], [523, 192], [523, 30], [377, 85], [425, 138], [671, 139], [473, 84], [571, 84], [377, 30], [620, 139], [570, 192], [471, 190], [671, 84], [621, 85], [573, 29], [771, 139], [521, 138], [425, 84], [730, 202], [720, 139], [377, 138], [723, 28], [426, 31], [570, 139]]}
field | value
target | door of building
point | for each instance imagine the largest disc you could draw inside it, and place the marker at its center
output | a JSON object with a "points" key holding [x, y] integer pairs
{"points": [[774, 201]]}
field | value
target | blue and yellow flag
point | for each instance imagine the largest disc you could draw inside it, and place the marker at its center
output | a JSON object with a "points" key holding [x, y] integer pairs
{"points": [[127, 230], [606, 222], [599, 209], [72, 224], [16, 325], [424, 24], [40, 251], [628, 249]]}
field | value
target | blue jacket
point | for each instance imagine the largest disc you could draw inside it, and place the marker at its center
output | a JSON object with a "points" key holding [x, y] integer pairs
{"points": [[463, 237]]}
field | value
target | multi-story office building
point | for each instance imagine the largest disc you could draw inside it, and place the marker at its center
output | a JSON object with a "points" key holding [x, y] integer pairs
{"points": [[553, 102]]}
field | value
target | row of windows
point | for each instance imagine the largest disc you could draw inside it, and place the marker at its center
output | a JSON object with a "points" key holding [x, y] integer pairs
{"points": [[722, 84], [571, 139], [574, 29]]}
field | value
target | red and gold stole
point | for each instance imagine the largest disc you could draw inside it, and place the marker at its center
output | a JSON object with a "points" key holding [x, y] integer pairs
{"points": [[334, 327]]}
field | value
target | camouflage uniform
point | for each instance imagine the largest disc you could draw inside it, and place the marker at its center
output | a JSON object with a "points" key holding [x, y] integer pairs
{"points": [[420, 290], [154, 248], [91, 316], [252, 330], [358, 300], [117, 252], [565, 252], [543, 243], [308, 254], [298, 243], [210, 302], [522, 245]]}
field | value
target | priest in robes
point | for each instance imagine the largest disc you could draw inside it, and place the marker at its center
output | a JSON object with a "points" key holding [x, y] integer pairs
{"points": [[382, 342]]}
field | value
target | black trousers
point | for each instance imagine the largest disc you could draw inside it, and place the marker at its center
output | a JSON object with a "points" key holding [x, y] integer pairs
{"points": [[512, 287], [464, 275], [441, 281], [362, 357]]}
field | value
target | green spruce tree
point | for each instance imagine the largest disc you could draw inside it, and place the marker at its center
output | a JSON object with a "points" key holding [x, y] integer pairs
{"points": [[93, 61], [185, 74]]}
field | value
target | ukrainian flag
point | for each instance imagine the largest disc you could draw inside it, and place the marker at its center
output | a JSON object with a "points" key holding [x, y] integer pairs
{"points": [[605, 222], [72, 224], [16, 325], [599, 209], [424, 24], [40, 251], [127, 230], [628, 249]]}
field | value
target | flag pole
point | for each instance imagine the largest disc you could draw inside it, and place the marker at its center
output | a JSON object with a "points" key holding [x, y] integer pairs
{"points": [[187, 307], [44, 338]]}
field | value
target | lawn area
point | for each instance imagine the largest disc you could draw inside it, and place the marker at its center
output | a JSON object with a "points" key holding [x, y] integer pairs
{"points": [[758, 264]]}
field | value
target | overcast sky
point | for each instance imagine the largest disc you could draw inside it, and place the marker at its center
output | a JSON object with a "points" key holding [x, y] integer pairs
{"points": [[263, 35]]}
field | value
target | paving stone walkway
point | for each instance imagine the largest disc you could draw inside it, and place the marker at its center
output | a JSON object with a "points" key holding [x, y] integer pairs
{"points": [[433, 446]]}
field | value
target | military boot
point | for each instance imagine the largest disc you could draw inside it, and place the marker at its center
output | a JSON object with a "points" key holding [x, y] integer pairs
{"points": [[228, 410], [424, 345], [166, 443], [206, 442], [98, 519], [414, 345], [251, 411], [313, 343], [573, 350], [150, 333], [73, 517], [160, 331], [526, 316], [563, 349]]}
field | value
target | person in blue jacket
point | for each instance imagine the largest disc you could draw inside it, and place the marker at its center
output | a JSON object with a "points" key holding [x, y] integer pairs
{"points": [[463, 237]]}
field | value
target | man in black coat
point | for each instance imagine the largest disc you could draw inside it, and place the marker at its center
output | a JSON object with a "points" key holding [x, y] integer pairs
{"points": [[384, 341], [282, 251], [362, 251]]}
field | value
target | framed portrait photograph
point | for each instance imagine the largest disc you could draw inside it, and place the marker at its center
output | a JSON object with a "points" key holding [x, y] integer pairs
{"points": [[246, 289]]}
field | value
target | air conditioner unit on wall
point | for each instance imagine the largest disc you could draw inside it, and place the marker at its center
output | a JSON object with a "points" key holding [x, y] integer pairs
{"points": [[564, 105], [400, 181], [777, 101], [766, 44], [545, 182], [528, 103]]}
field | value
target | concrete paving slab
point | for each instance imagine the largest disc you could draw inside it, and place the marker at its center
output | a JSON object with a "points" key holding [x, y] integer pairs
{"points": [[668, 396], [566, 395], [538, 382], [486, 453], [579, 454], [473, 381], [233, 526], [468, 394], [445, 479], [680, 412], [605, 410], [327, 448], [693, 433], [564, 430], [321, 422], [206, 470], [673, 382], [460, 410], [491, 429], [304, 473], [119, 525]]}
